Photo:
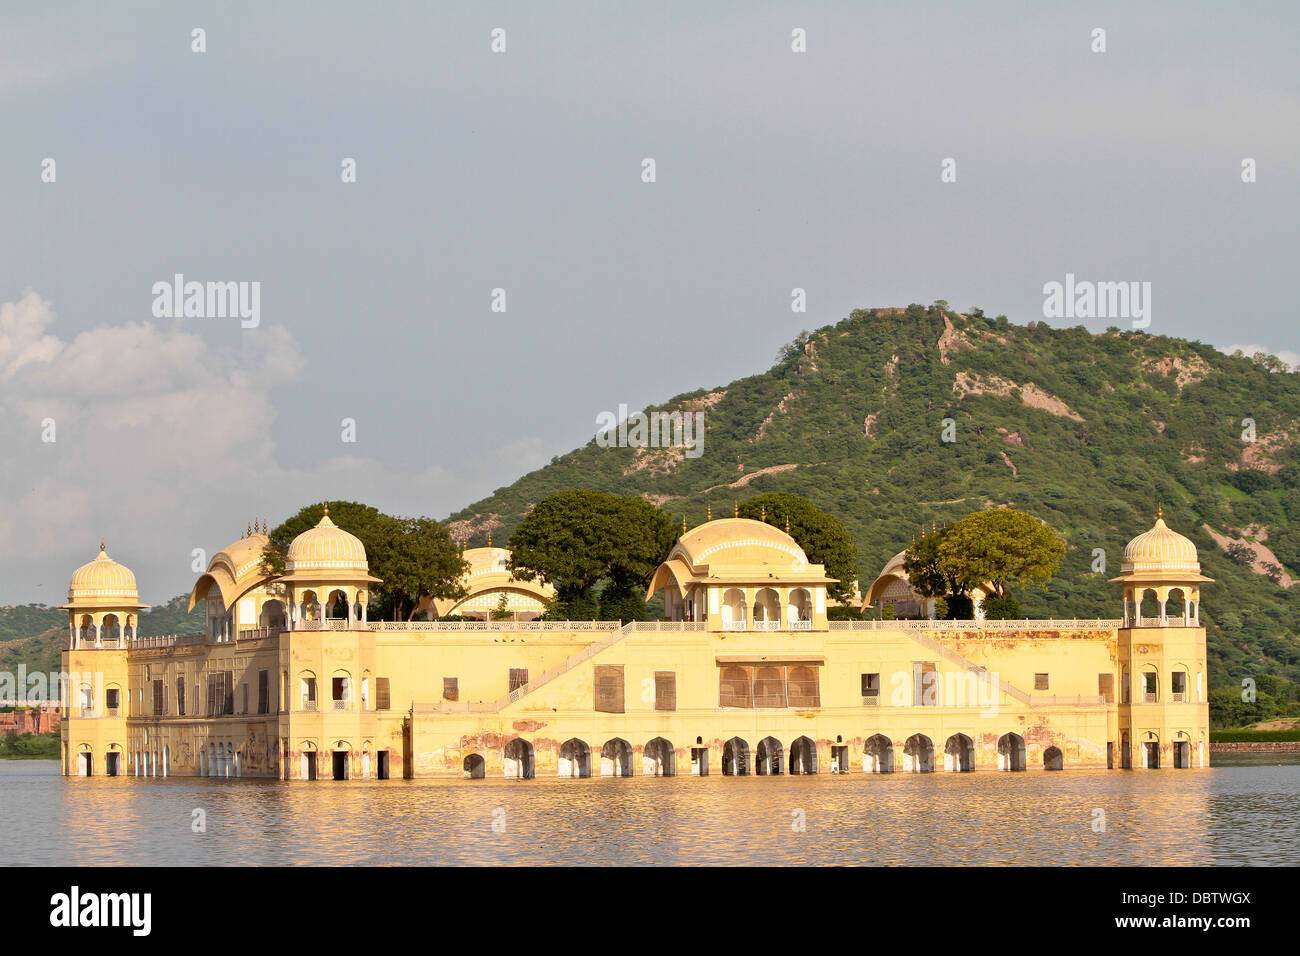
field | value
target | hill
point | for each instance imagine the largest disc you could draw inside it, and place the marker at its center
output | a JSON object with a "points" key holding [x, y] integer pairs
{"points": [[1088, 431], [35, 635]]}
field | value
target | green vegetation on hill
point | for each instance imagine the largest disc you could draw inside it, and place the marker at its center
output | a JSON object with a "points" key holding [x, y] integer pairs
{"points": [[37, 635], [1088, 432]]}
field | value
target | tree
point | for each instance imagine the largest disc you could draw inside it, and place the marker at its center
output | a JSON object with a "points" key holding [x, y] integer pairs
{"points": [[1001, 547], [352, 516], [823, 537], [572, 540], [413, 556]]}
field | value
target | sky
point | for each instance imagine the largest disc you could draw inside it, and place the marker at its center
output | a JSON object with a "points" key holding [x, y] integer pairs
{"points": [[524, 171]]}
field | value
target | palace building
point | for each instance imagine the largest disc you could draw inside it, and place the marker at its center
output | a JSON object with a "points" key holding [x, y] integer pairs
{"points": [[745, 675]]}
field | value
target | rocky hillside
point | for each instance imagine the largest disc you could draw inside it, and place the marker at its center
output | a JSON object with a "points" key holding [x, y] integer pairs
{"points": [[1090, 432]]}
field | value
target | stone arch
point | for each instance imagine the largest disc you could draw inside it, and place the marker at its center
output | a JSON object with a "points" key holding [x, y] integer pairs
{"points": [[1011, 752], [518, 760], [733, 610], [800, 607], [803, 755], [918, 754], [272, 615], [474, 767], [616, 758], [658, 759], [959, 754], [575, 759], [878, 754], [735, 758], [769, 758], [767, 607], [1053, 759]]}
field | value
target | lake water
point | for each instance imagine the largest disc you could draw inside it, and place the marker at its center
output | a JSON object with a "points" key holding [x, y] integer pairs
{"points": [[1245, 810]]}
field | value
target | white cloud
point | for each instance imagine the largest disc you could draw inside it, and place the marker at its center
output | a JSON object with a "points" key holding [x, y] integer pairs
{"points": [[163, 444]]}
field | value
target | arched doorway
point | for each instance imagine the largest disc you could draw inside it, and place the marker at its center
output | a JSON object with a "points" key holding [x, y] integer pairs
{"points": [[575, 758], [878, 754], [770, 758], [518, 759], [616, 758], [1053, 759], [959, 754], [659, 759], [474, 767], [1011, 752], [803, 756], [735, 758], [918, 754]]}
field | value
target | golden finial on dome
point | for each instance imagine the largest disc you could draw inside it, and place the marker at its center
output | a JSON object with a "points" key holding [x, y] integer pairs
{"points": [[762, 513], [735, 509], [787, 524], [248, 531], [683, 524], [708, 510], [489, 537], [101, 545], [1160, 512], [327, 509]]}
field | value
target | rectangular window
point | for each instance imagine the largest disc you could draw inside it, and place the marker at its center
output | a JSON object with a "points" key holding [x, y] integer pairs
{"points": [[1149, 687], [159, 703], [925, 684], [735, 686], [180, 697], [263, 692], [1040, 682], [309, 693], [665, 690], [1180, 682], [451, 688], [518, 678], [609, 688], [769, 685], [111, 697], [243, 698], [1106, 687], [339, 689], [871, 685], [229, 683], [383, 698], [221, 694]]}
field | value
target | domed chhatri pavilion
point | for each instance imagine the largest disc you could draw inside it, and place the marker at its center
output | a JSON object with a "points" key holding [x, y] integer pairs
{"points": [[745, 674]]}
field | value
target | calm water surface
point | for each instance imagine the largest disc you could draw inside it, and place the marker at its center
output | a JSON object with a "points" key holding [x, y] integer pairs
{"points": [[1243, 812]]}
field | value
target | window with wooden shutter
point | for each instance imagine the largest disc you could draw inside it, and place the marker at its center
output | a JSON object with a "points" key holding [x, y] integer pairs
{"points": [[263, 692], [382, 699], [180, 697], [1041, 682], [451, 688], [802, 689], [243, 698], [665, 690], [925, 680], [769, 686], [159, 705], [228, 684], [1106, 687], [734, 689], [518, 678], [609, 688]]}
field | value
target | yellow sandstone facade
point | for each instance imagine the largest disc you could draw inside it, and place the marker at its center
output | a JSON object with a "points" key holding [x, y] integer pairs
{"points": [[745, 675]]}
